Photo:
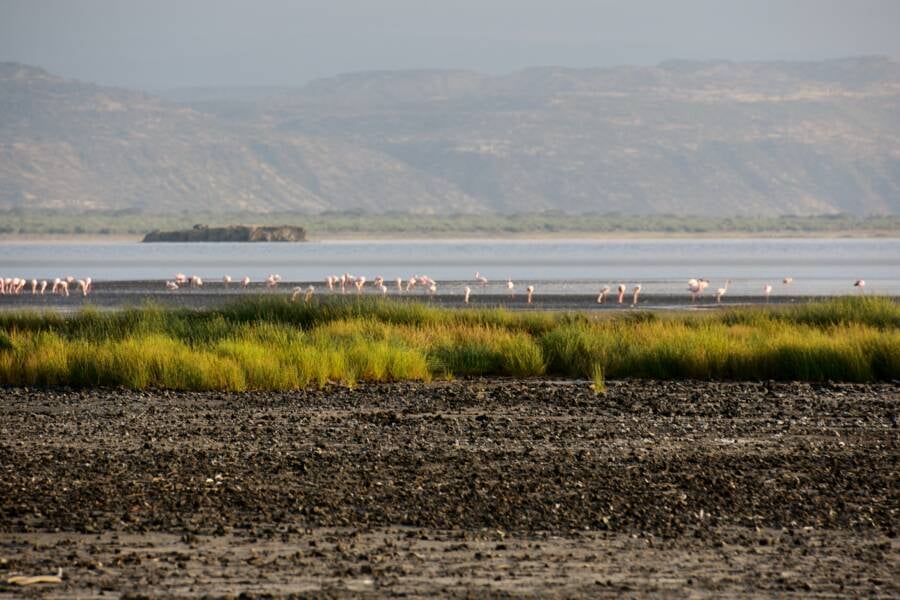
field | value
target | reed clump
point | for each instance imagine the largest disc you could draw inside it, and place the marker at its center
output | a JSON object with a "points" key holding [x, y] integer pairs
{"points": [[272, 344]]}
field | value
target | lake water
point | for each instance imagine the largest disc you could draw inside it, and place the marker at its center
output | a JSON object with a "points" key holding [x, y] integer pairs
{"points": [[819, 266]]}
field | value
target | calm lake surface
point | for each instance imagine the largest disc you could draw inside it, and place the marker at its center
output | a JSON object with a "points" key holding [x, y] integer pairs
{"points": [[819, 266]]}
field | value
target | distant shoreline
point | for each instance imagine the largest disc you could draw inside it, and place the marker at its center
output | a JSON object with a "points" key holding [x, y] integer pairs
{"points": [[89, 238]]}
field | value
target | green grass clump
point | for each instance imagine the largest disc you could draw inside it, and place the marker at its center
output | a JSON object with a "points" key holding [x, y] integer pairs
{"points": [[273, 344]]}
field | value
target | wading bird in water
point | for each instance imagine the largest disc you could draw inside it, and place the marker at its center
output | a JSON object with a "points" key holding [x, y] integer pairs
{"points": [[767, 290], [226, 280], [530, 290], [621, 290], [635, 293], [721, 291], [468, 292], [603, 294], [245, 282], [34, 284], [43, 286], [861, 284], [481, 279], [171, 286], [787, 280], [399, 283], [359, 284], [510, 286]]}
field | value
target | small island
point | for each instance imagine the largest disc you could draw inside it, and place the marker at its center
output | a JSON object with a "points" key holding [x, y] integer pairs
{"points": [[231, 233]]}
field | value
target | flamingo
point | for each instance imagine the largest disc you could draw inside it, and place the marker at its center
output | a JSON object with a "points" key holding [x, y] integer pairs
{"points": [[721, 292], [2, 286], [14, 288], [309, 294], [787, 280], [399, 283], [329, 283], [43, 286], [468, 292], [34, 284], [383, 289], [271, 282], [510, 286], [89, 284], [861, 284], [621, 289], [694, 288], [767, 290], [70, 279], [196, 281], [635, 293], [56, 284], [226, 280], [296, 292], [530, 291], [411, 283], [702, 284], [432, 289], [64, 288], [171, 286], [83, 286], [245, 282], [359, 284], [481, 279], [603, 294], [180, 278]]}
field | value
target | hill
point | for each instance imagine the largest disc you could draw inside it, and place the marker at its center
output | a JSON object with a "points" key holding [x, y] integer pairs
{"points": [[710, 138]]}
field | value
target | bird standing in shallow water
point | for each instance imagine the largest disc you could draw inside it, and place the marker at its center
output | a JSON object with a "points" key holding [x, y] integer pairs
{"points": [[721, 292], [530, 290], [468, 291], [635, 293], [603, 294], [861, 284], [621, 293], [767, 290]]}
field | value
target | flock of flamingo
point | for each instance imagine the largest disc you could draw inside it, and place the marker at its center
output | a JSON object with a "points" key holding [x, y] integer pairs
{"points": [[345, 282], [14, 286]]}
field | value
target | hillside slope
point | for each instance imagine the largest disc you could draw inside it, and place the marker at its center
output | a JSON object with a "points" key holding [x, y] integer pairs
{"points": [[711, 138]]}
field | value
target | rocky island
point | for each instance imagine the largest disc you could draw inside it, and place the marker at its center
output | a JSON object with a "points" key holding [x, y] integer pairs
{"points": [[231, 233]]}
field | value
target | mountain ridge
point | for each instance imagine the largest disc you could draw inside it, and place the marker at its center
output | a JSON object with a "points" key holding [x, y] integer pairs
{"points": [[683, 137]]}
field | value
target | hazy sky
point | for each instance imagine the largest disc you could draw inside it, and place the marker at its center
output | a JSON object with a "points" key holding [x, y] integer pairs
{"points": [[168, 43]]}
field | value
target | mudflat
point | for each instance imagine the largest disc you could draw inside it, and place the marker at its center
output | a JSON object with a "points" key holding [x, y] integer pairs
{"points": [[472, 487]]}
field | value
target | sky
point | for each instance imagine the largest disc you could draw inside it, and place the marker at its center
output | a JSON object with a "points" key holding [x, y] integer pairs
{"points": [[158, 44]]}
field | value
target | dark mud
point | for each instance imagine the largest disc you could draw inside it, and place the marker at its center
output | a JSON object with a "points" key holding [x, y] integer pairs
{"points": [[463, 488]]}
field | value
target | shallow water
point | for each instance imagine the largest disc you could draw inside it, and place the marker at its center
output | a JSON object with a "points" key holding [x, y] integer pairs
{"points": [[818, 266]]}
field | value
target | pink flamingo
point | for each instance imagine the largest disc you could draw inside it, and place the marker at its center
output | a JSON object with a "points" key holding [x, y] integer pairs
{"points": [[530, 291], [787, 280], [468, 292], [510, 286], [481, 279], [34, 284], [721, 292], [621, 297], [56, 284], [180, 278], [226, 280], [359, 284], [64, 288], [43, 286], [635, 292], [603, 294], [83, 286], [767, 290], [399, 283], [171, 286], [861, 284], [245, 282]]}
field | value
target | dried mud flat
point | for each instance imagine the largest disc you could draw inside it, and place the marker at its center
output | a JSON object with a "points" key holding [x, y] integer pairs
{"points": [[467, 488]]}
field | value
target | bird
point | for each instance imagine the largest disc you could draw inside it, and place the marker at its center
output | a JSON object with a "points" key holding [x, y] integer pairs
{"points": [[787, 280], [383, 289], [271, 282], [89, 284], [621, 289], [360, 282], [694, 288], [226, 280], [43, 286], [399, 282], [468, 292], [635, 292], [296, 292], [171, 286], [34, 284], [329, 282], [64, 288], [603, 294], [196, 281], [510, 286], [861, 284], [245, 282], [55, 288], [530, 291], [180, 278], [721, 291], [309, 293], [411, 283], [432, 289], [481, 279], [83, 286], [767, 290]]}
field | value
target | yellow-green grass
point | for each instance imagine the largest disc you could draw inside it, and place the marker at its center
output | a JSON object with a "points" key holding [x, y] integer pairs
{"points": [[272, 343]]}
